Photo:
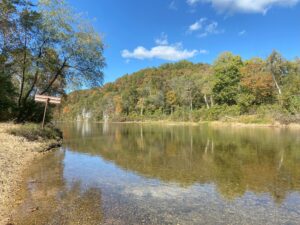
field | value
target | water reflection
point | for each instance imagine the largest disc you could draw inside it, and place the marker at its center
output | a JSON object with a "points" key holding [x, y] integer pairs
{"points": [[150, 174], [236, 160], [83, 127], [50, 200]]}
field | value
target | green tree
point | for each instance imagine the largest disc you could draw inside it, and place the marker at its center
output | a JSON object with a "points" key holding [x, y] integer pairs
{"points": [[171, 100], [227, 77], [205, 84], [141, 105], [7, 93], [291, 90], [48, 48], [278, 67]]}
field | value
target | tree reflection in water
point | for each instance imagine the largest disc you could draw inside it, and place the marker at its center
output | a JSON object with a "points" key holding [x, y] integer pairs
{"points": [[236, 160]]}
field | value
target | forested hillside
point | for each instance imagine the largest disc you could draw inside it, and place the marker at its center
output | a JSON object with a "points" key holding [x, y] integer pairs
{"points": [[255, 90]]}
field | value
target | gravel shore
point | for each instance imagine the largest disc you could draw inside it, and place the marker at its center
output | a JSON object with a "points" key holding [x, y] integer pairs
{"points": [[16, 153]]}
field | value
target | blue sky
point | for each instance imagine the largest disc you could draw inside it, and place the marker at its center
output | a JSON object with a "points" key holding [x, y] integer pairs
{"points": [[146, 33]]}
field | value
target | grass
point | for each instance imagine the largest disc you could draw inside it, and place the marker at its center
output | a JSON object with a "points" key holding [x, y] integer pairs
{"points": [[250, 119], [34, 132]]}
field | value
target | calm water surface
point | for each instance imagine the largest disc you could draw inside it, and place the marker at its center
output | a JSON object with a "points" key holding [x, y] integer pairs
{"points": [[152, 174]]}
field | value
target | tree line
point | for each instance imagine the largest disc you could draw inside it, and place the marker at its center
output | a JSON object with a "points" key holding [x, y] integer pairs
{"points": [[256, 89], [45, 48]]}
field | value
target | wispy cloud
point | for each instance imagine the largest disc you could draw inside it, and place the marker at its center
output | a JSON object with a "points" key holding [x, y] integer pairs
{"points": [[245, 6], [197, 25], [173, 5], [204, 27], [203, 51], [242, 33], [193, 2], [162, 40]]}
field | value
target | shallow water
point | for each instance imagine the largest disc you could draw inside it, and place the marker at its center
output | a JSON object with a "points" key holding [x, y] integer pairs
{"points": [[152, 174]]}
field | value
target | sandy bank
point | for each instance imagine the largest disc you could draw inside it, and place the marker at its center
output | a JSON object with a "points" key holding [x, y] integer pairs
{"points": [[295, 126], [16, 153]]}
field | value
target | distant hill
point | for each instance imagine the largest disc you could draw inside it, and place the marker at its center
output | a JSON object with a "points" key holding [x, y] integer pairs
{"points": [[185, 91], [144, 93]]}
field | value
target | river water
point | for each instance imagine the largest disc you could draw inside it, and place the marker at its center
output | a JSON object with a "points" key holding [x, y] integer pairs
{"points": [[160, 174]]}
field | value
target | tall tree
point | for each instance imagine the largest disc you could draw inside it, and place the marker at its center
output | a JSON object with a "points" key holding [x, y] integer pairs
{"points": [[50, 48], [205, 84], [277, 65], [171, 100], [257, 81], [7, 93], [227, 77]]}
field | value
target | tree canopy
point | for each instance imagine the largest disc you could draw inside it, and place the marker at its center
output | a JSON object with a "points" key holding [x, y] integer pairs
{"points": [[46, 48], [230, 87]]}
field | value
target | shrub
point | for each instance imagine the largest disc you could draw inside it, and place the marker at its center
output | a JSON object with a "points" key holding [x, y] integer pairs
{"points": [[219, 112], [288, 118], [279, 113], [257, 119], [180, 114], [33, 132], [293, 104], [245, 101]]}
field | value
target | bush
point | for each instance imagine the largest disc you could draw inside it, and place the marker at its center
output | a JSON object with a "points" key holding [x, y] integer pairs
{"points": [[219, 112], [271, 110], [292, 104], [33, 132], [288, 118], [257, 119], [180, 114], [245, 101], [278, 113], [196, 115]]}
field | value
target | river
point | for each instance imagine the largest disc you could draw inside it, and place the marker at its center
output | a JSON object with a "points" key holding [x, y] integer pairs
{"points": [[160, 174]]}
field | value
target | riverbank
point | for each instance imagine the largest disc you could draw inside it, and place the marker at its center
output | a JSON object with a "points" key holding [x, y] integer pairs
{"points": [[210, 123], [16, 154]]}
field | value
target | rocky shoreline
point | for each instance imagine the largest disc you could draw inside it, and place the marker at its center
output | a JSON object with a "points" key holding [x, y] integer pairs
{"points": [[16, 154]]}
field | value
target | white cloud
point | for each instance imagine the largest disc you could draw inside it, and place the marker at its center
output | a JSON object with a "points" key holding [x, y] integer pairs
{"points": [[205, 27], [248, 6], [172, 5], [162, 50], [197, 25], [242, 33], [203, 51], [163, 40], [165, 52], [193, 2]]}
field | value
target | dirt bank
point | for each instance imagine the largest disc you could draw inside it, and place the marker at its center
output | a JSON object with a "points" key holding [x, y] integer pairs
{"points": [[16, 153]]}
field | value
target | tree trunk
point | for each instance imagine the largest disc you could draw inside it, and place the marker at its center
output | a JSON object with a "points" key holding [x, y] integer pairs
{"points": [[191, 109], [55, 77], [32, 87], [36, 75], [206, 102], [276, 84], [211, 101], [23, 72], [142, 110]]}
